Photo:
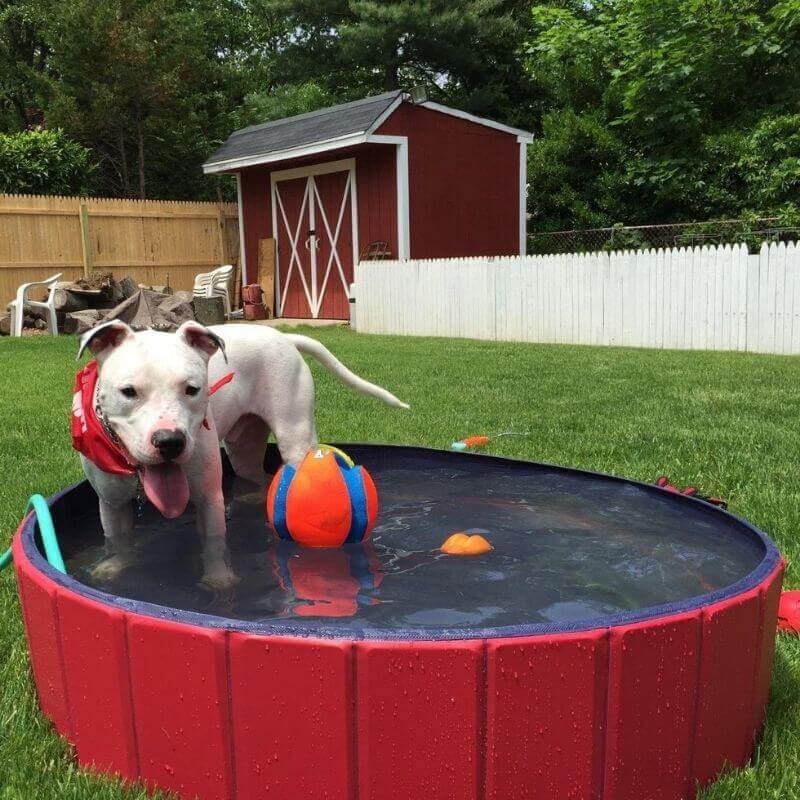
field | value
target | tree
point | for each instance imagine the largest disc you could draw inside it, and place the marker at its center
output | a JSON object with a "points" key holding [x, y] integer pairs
{"points": [[684, 89], [24, 54], [153, 86], [44, 162], [464, 52], [139, 77]]}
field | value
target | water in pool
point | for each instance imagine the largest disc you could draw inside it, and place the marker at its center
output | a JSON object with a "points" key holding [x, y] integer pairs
{"points": [[567, 547]]}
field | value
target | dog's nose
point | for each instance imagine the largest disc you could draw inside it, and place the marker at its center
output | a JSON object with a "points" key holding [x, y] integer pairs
{"points": [[169, 443]]}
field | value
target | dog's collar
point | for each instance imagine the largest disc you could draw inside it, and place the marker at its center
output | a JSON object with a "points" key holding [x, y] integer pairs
{"points": [[215, 387], [92, 434], [103, 419]]}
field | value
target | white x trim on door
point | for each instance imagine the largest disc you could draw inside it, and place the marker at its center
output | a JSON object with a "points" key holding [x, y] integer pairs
{"points": [[313, 289]]}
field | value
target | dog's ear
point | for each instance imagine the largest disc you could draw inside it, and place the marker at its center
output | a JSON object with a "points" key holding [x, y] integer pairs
{"points": [[104, 338], [203, 340]]}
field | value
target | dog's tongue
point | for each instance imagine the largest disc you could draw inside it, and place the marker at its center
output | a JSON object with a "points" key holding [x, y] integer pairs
{"points": [[166, 488]]}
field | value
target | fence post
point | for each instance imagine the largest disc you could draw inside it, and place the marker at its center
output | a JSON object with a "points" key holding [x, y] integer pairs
{"points": [[86, 243], [224, 256], [223, 239]]}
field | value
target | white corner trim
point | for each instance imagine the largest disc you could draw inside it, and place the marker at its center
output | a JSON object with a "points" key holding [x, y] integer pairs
{"points": [[354, 221], [487, 123], [276, 296], [523, 198], [403, 208], [240, 209], [284, 155], [403, 202]]}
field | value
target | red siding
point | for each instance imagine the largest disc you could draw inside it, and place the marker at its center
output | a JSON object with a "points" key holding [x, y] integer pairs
{"points": [[463, 184], [463, 191], [257, 217], [377, 196]]}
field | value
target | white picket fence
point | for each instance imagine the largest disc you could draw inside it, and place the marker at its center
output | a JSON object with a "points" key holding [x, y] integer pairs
{"points": [[709, 298]]}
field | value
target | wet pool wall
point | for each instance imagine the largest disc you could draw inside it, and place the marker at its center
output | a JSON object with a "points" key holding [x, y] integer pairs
{"points": [[641, 710]]}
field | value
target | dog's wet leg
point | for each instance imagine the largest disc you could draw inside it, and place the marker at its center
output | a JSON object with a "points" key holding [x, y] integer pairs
{"points": [[117, 524], [246, 444], [205, 487]]}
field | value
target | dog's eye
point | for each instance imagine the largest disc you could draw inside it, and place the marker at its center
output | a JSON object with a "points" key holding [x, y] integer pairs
{"points": [[192, 390], [128, 391]]}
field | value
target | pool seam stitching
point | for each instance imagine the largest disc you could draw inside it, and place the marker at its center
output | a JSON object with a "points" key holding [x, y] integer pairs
{"points": [[229, 721], [129, 672], [690, 779], [482, 722], [354, 767], [61, 664]]}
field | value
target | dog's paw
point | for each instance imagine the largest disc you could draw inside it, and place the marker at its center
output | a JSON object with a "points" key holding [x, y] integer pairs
{"points": [[220, 578], [109, 568]]}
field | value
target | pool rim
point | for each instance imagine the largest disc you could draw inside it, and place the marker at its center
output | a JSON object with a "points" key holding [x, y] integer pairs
{"points": [[769, 563]]}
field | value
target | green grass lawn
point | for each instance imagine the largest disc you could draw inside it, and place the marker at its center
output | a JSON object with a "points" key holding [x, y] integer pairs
{"points": [[728, 423]]}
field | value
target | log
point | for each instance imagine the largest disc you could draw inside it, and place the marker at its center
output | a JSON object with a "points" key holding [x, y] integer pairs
{"points": [[5, 324], [66, 301]]}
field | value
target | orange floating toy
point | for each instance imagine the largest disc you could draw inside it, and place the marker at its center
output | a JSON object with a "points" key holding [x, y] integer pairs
{"points": [[465, 544], [326, 502]]}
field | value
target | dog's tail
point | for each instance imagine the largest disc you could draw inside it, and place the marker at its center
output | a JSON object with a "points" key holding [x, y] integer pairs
{"points": [[328, 360]]}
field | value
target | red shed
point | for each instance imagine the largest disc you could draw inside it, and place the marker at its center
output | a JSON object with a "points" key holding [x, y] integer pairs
{"points": [[380, 177]]}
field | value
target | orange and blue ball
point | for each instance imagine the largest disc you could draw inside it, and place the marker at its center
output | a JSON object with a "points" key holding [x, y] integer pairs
{"points": [[326, 502]]}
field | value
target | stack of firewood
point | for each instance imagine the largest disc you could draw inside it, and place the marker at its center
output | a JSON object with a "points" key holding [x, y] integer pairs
{"points": [[82, 304]]}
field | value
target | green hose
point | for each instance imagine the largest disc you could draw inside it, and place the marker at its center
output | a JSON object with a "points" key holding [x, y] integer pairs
{"points": [[48, 534]]}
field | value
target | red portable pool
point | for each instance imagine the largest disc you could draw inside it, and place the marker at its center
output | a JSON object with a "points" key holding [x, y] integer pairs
{"points": [[617, 643]]}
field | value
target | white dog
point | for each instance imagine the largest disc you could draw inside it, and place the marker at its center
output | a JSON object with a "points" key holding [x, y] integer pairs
{"points": [[146, 413]]}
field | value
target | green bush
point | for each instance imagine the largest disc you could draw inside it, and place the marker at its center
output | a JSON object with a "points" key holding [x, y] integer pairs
{"points": [[44, 162]]}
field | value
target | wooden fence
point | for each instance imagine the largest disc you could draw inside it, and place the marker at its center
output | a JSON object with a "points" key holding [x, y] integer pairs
{"points": [[715, 298], [152, 241]]}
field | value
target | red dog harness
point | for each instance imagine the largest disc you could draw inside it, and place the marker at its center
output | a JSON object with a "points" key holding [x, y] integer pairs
{"points": [[91, 438]]}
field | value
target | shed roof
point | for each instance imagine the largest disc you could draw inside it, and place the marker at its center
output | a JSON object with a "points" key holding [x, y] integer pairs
{"points": [[285, 138], [335, 122]]}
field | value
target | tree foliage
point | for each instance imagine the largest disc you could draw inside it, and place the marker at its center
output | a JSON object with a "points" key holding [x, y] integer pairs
{"points": [[466, 52], [665, 110], [645, 110], [44, 162]]}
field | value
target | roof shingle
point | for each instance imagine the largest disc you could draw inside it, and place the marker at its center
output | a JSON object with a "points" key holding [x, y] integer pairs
{"points": [[304, 130]]}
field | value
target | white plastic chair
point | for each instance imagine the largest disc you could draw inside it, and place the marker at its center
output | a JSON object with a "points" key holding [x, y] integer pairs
{"points": [[17, 307], [215, 284]]}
